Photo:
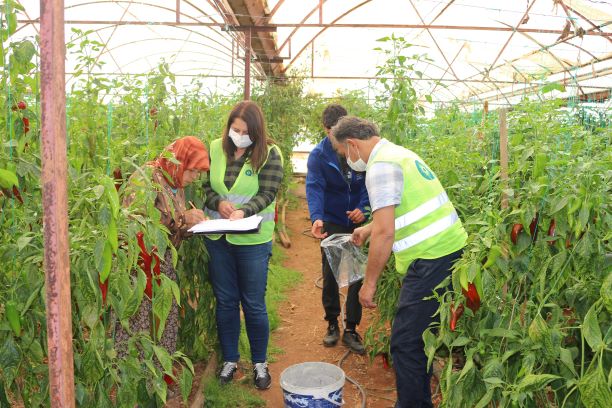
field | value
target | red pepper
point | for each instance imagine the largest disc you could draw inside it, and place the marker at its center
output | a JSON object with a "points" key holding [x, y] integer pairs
{"points": [[516, 229], [385, 360], [155, 124], [144, 261], [153, 112], [533, 226], [17, 194], [21, 105], [118, 178], [26, 125], [169, 380], [104, 289], [551, 231], [455, 315], [472, 298]]}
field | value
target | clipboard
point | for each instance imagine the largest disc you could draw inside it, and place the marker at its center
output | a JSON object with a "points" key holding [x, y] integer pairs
{"points": [[249, 225]]}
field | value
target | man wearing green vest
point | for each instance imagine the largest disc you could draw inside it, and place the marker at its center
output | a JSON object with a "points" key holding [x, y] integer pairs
{"points": [[414, 218]]}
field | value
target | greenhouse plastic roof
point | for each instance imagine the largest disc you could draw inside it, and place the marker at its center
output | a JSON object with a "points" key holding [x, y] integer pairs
{"points": [[495, 50]]}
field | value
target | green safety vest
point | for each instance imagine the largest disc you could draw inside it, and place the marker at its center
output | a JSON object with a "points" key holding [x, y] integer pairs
{"points": [[245, 187], [426, 223]]}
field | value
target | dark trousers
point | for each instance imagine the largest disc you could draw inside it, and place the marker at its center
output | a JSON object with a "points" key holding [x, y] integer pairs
{"points": [[413, 316], [330, 295]]}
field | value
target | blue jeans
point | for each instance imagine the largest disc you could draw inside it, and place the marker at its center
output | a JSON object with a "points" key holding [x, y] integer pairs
{"points": [[413, 316], [239, 275]]}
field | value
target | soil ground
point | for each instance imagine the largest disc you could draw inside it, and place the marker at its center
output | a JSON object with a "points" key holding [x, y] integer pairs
{"points": [[303, 327]]}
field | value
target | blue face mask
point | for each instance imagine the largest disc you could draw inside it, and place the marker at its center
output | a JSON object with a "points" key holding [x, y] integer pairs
{"points": [[241, 141], [358, 165]]}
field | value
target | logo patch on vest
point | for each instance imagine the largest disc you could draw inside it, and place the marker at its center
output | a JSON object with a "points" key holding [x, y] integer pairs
{"points": [[248, 173], [424, 170]]}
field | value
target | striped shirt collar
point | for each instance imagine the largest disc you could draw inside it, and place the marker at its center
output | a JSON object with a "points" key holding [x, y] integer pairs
{"points": [[376, 148]]}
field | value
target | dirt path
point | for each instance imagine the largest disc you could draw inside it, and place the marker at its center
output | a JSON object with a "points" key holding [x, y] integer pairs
{"points": [[303, 327]]}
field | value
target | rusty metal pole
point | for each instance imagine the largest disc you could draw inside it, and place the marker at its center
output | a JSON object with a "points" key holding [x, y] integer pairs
{"points": [[55, 205], [247, 65]]}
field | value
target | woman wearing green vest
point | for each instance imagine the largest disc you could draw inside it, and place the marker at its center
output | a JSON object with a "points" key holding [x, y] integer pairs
{"points": [[246, 171], [413, 218]]}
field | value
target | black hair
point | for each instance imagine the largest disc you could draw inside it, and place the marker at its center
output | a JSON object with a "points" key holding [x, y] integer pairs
{"points": [[332, 114]]}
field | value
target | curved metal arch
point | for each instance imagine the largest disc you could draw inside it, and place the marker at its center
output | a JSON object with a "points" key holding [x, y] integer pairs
{"points": [[165, 53], [297, 28], [109, 50], [543, 48], [163, 8], [153, 6], [229, 52], [321, 32]]}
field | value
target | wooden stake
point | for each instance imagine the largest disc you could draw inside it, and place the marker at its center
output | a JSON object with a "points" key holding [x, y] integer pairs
{"points": [[55, 204]]}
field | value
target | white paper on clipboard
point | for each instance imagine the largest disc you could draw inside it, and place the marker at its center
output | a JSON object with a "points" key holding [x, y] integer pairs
{"points": [[224, 226]]}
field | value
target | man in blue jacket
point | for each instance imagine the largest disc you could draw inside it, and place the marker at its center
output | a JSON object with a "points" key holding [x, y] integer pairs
{"points": [[337, 201]]}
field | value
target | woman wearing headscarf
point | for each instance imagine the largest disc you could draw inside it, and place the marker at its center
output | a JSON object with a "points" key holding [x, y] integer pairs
{"points": [[246, 171], [180, 164]]}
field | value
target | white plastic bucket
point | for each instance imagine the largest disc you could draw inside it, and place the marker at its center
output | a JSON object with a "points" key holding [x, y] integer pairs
{"points": [[312, 385]]}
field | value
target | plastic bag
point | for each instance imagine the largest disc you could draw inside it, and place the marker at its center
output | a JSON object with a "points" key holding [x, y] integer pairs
{"points": [[346, 260]]}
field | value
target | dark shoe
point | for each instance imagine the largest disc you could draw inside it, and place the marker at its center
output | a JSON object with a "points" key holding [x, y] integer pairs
{"points": [[352, 340], [262, 376], [226, 374], [332, 336]]}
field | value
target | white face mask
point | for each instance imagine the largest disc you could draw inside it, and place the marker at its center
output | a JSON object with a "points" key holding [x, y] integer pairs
{"points": [[358, 165], [240, 141]]}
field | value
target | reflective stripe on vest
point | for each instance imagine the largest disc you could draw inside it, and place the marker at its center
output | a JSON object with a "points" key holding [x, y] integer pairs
{"points": [[429, 231], [421, 211]]}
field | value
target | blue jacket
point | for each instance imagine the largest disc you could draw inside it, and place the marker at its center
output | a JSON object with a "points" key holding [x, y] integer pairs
{"points": [[328, 194]]}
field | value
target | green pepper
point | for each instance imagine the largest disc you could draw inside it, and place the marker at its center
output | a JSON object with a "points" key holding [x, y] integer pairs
{"points": [[12, 315], [494, 253], [539, 164]]}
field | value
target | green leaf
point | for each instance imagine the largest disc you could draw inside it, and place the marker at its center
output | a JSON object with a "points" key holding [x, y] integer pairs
{"points": [[469, 365], [98, 191], [23, 241], [176, 292], [111, 235], [591, 330], [484, 401], [3, 398], [111, 195], [186, 383], [162, 304], [135, 299], [460, 341], [8, 179], [532, 382], [164, 358], [594, 389], [24, 52], [562, 202], [31, 298], [553, 86], [567, 360]]}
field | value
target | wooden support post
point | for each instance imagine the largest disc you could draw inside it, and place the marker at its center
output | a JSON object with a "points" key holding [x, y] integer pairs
{"points": [[178, 11], [503, 155], [247, 65], [55, 204]]}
